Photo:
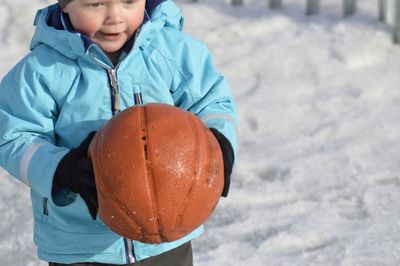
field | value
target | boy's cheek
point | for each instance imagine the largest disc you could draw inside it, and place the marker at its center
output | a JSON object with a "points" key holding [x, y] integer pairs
{"points": [[85, 25], [135, 22], [135, 17]]}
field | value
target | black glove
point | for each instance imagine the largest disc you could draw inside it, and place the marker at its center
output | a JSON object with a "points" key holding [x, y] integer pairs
{"points": [[75, 172], [228, 157]]}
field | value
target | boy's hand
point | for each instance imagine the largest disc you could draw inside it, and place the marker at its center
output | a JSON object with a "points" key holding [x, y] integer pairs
{"points": [[228, 157], [75, 172]]}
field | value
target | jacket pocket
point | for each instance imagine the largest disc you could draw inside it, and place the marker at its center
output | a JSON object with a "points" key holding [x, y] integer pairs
{"points": [[45, 206], [38, 204]]}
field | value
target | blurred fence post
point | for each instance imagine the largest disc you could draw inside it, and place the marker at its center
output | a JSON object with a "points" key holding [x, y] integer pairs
{"points": [[382, 15], [312, 7], [275, 4], [388, 11], [396, 34], [349, 7], [237, 2]]}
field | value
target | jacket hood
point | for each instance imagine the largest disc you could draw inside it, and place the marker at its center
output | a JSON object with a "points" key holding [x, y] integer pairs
{"points": [[53, 28]]}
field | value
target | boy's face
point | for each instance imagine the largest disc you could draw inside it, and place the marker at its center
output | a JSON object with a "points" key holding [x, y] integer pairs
{"points": [[108, 23]]}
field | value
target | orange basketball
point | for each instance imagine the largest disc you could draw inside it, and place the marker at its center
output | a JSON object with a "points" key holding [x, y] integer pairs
{"points": [[159, 173]]}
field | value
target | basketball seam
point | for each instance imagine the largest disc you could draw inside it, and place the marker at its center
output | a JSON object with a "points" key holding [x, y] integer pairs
{"points": [[212, 165], [185, 203], [150, 177]]}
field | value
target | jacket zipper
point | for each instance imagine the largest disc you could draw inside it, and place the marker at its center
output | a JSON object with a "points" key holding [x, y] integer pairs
{"points": [[112, 74], [130, 253], [116, 108]]}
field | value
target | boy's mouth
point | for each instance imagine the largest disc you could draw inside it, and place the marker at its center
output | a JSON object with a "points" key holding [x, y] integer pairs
{"points": [[111, 36]]}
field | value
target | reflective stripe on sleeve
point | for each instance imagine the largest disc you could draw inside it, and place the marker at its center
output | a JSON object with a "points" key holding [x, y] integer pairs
{"points": [[26, 159], [219, 117]]}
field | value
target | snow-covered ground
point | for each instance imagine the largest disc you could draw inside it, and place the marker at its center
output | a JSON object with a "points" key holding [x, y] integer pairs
{"points": [[317, 179]]}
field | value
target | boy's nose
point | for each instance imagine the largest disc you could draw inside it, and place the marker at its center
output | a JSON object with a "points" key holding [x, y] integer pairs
{"points": [[113, 14]]}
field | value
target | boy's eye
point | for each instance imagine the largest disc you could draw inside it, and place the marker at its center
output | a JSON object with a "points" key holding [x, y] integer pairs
{"points": [[130, 2], [95, 4], [98, 4]]}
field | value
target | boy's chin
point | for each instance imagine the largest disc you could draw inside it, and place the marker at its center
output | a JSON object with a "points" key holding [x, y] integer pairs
{"points": [[111, 50], [110, 47]]}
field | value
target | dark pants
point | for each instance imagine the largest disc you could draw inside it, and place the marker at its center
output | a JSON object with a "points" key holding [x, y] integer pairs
{"points": [[180, 256]]}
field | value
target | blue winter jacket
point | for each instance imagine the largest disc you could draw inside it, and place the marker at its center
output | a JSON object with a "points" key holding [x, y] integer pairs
{"points": [[62, 90]]}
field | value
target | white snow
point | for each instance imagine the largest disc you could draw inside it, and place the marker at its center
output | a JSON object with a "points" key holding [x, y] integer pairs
{"points": [[317, 178]]}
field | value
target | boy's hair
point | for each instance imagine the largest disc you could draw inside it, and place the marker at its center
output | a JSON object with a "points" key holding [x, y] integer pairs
{"points": [[63, 3]]}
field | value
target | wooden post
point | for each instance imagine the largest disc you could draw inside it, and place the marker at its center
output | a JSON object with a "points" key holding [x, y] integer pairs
{"points": [[274, 4], [396, 36], [237, 2], [349, 7], [312, 7], [382, 15]]}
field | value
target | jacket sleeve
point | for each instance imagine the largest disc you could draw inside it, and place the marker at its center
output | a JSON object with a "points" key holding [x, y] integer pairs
{"points": [[27, 116], [200, 89]]}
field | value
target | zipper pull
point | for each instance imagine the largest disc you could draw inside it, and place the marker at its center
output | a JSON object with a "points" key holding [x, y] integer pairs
{"points": [[115, 91], [113, 76]]}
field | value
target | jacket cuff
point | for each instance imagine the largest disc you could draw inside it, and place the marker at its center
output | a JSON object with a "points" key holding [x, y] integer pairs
{"points": [[40, 169], [227, 129]]}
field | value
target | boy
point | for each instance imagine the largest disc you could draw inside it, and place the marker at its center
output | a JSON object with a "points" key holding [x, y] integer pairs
{"points": [[89, 60]]}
